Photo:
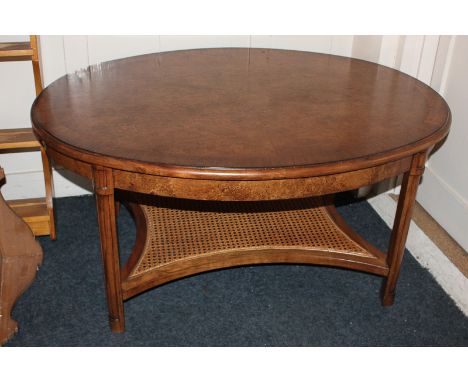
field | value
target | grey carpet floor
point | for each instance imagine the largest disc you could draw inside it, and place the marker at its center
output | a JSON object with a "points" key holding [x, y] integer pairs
{"points": [[270, 305]]}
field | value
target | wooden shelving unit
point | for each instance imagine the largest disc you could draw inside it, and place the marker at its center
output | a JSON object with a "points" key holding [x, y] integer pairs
{"points": [[15, 51], [12, 139], [38, 213]]}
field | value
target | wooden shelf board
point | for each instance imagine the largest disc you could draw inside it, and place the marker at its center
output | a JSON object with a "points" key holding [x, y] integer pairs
{"points": [[15, 50], [34, 212], [11, 139]]}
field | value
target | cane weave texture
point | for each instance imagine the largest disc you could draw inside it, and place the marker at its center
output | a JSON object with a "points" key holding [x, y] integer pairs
{"points": [[178, 229]]}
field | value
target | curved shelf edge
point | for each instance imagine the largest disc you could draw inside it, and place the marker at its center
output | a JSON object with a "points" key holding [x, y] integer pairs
{"points": [[138, 277], [196, 265]]}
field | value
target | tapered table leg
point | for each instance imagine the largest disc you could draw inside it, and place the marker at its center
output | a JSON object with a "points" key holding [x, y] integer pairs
{"points": [[49, 187], [104, 189], [401, 225]]}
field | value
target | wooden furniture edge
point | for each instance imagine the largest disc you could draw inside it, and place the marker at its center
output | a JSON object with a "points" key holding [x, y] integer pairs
{"points": [[242, 190], [45, 225], [229, 190], [235, 258], [20, 256], [373, 262], [14, 139], [200, 189], [16, 51], [171, 171]]}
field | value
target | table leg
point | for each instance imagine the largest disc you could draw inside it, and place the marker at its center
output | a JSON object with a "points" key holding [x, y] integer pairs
{"points": [[49, 187], [401, 225], [104, 189]]}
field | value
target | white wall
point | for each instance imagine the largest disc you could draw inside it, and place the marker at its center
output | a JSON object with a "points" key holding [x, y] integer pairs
{"points": [[442, 63], [436, 60], [444, 191]]}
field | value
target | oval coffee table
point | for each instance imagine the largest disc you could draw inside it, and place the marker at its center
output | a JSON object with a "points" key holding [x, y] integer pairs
{"points": [[229, 157]]}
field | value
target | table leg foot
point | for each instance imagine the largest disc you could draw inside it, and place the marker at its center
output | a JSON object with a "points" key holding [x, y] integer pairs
{"points": [[387, 295], [116, 325]]}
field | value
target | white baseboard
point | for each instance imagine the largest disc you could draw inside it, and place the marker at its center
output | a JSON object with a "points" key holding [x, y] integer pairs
{"points": [[454, 283], [445, 205]]}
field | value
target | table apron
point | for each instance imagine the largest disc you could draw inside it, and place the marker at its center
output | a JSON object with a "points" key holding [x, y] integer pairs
{"points": [[239, 190], [231, 190]]}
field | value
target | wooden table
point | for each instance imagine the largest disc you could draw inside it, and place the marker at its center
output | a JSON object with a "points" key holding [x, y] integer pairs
{"points": [[229, 156]]}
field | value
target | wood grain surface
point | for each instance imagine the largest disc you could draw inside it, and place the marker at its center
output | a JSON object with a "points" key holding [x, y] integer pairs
{"points": [[20, 257], [238, 125], [239, 113]]}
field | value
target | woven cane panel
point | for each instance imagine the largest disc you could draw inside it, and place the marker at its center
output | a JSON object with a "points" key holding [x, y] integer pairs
{"points": [[178, 229]]}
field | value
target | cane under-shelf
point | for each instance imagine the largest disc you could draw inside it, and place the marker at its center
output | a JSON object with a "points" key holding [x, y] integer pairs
{"points": [[230, 157]]}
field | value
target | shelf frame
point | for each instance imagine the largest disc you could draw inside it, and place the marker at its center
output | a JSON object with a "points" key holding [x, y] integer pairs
{"points": [[38, 213], [16, 51]]}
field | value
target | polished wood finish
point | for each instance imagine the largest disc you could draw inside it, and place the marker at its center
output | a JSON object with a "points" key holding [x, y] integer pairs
{"points": [[237, 190], [41, 220], [223, 114], [20, 255], [34, 212], [104, 189], [34, 41], [401, 225], [11, 139], [238, 234], [49, 193], [16, 51], [237, 126], [46, 166]]}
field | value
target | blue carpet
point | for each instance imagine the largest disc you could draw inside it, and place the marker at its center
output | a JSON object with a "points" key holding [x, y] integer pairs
{"points": [[270, 305]]}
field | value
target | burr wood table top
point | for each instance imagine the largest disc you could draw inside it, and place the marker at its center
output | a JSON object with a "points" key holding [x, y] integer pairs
{"points": [[244, 130], [236, 113]]}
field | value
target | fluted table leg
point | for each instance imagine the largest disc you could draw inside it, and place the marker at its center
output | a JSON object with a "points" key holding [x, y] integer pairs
{"points": [[401, 225], [104, 189]]}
